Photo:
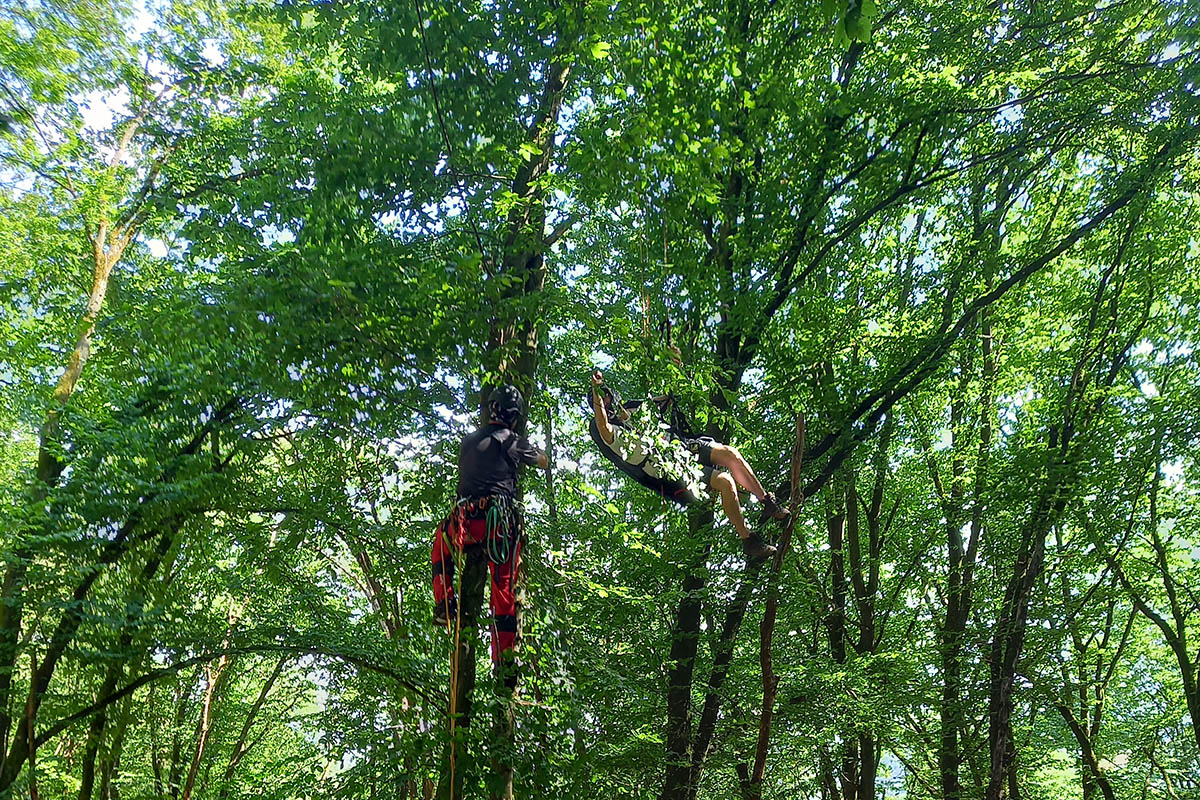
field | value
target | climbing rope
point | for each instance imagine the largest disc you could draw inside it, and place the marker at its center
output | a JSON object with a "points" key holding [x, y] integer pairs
{"points": [[503, 529]]}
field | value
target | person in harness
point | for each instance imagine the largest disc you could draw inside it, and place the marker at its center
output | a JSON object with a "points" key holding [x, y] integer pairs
{"points": [[676, 466], [485, 530]]}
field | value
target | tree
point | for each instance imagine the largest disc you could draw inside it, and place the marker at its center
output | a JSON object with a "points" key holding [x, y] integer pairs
{"points": [[248, 319]]}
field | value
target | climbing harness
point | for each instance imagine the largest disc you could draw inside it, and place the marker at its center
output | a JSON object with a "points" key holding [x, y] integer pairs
{"points": [[503, 524]]}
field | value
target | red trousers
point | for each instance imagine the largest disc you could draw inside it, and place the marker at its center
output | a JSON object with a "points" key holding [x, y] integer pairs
{"points": [[500, 550]]}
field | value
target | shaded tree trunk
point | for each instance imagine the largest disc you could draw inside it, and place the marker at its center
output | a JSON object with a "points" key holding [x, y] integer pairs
{"points": [[1173, 622], [175, 766], [215, 675], [685, 640], [751, 781], [738, 336], [961, 556], [1104, 354], [111, 762], [116, 670], [108, 242], [128, 534], [513, 339]]}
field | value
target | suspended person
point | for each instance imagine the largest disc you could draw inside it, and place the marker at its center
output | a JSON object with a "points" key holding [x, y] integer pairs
{"points": [[678, 466], [486, 529]]}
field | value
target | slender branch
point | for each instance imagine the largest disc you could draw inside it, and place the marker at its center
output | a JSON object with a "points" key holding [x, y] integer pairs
{"points": [[204, 658], [560, 229]]}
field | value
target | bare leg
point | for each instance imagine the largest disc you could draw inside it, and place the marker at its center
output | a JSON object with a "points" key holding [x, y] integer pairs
{"points": [[728, 457], [723, 485], [755, 549]]}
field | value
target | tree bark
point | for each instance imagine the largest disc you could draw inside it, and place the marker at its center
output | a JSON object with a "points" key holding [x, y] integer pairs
{"points": [[215, 680], [1173, 630], [1104, 353], [30, 714], [513, 339], [752, 780], [108, 243], [175, 768], [722, 656], [462, 688], [1093, 776], [73, 615], [116, 670], [685, 640], [111, 762], [961, 557]]}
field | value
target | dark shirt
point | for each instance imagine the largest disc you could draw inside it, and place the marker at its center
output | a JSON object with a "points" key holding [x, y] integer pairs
{"points": [[488, 460]]}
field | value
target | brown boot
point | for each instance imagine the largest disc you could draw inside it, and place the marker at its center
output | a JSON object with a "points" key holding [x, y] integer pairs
{"points": [[755, 549], [772, 510]]}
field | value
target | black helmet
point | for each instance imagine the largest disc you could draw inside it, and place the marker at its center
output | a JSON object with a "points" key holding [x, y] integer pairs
{"points": [[506, 404], [612, 398]]}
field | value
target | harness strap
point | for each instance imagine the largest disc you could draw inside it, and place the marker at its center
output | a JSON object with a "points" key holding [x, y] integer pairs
{"points": [[502, 521]]}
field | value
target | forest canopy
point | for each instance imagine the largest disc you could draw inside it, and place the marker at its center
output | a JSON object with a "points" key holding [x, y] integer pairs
{"points": [[932, 268]]}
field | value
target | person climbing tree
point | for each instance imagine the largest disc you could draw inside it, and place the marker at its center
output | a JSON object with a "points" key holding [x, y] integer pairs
{"points": [[486, 528], [677, 465]]}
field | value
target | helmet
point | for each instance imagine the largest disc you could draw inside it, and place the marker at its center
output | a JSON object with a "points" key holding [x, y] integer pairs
{"points": [[612, 398], [506, 404]]}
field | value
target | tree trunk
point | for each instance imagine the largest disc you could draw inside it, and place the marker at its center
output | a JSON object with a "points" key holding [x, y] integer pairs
{"points": [[110, 764], [462, 690], [134, 603], [960, 580], [1104, 354], [1093, 777], [706, 727], [175, 768], [503, 732], [685, 640], [1010, 636], [108, 244], [751, 781], [215, 674], [513, 340], [835, 626], [74, 612], [30, 714]]}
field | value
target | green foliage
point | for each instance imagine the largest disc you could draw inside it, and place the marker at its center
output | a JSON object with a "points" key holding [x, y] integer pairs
{"points": [[958, 238]]}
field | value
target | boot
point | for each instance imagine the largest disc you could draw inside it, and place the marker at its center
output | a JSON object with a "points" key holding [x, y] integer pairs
{"points": [[755, 549], [444, 613], [772, 510]]}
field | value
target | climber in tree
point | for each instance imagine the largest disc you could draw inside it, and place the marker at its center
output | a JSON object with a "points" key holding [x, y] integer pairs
{"points": [[677, 466], [486, 528]]}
